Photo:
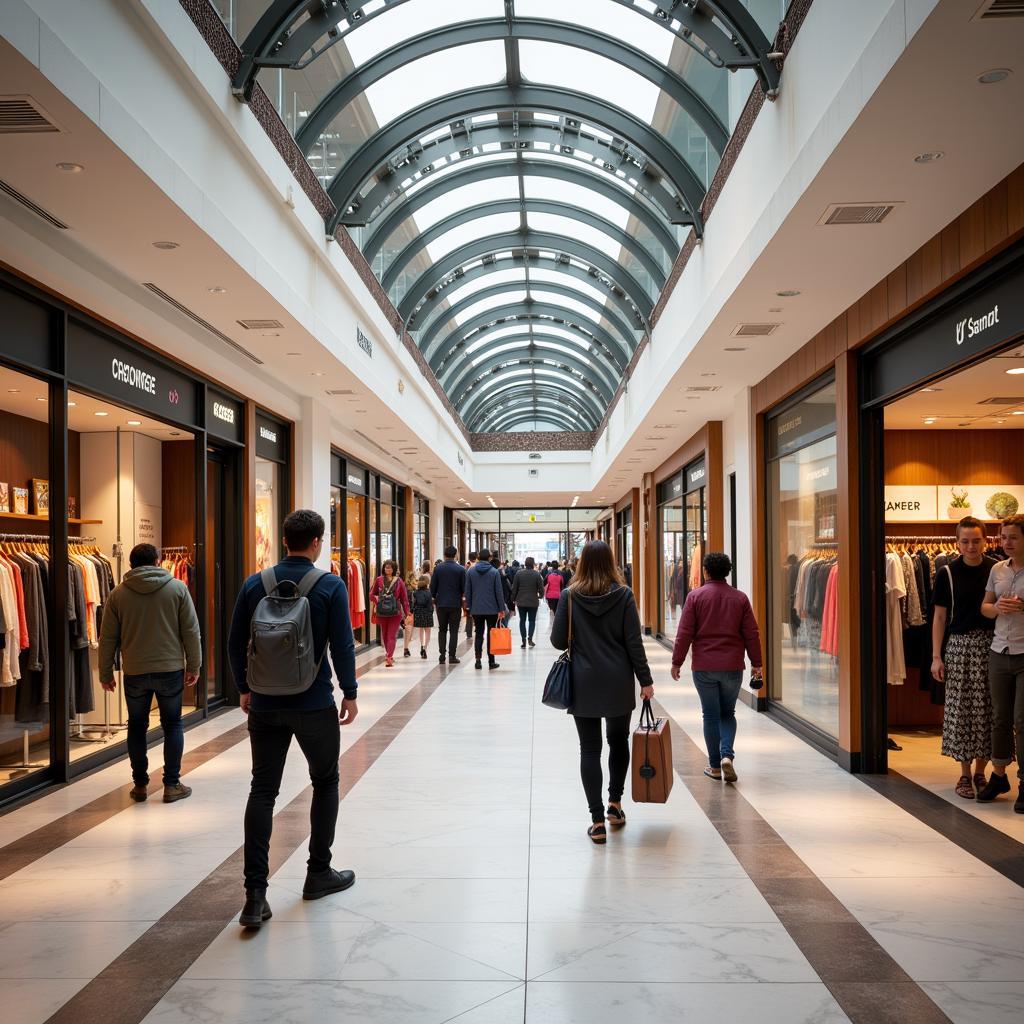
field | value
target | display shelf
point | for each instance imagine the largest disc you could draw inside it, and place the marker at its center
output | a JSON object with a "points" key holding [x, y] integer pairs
{"points": [[46, 519]]}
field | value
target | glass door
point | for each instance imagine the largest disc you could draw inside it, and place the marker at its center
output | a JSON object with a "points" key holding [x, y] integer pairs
{"points": [[223, 565]]}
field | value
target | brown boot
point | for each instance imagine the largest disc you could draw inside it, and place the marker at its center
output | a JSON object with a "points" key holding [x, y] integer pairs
{"points": [[176, 792], [139, 793]]}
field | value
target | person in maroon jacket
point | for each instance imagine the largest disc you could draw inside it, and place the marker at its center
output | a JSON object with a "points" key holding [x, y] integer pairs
{"points": [[718, 624]]}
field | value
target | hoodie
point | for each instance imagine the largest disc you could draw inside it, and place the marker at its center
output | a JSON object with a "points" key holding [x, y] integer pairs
{"points": [[484, 592], [150, 618], [607, 651]]}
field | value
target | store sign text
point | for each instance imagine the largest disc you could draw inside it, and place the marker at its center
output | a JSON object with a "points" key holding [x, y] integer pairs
{"points": [[969, 327], [355, 480], [364, 342], [125, 373], [224, 412], [268, 435]]}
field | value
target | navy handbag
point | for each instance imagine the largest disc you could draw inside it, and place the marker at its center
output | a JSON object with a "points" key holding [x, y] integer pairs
{"points": [[558, 687]]}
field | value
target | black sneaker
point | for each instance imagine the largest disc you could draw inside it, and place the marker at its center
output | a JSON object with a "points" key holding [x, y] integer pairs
{"points": [[476, 664], [523, 645], [996, 786], [408, 653], [530, 642], [492, 664], [454, 661], [440, 660], [256, 909], [319, 886], [423, 653], [1018, 804]]}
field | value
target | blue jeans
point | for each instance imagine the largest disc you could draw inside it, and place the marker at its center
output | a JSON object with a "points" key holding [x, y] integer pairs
{"points": [[527, 616], [138, 695], [718, 692]]}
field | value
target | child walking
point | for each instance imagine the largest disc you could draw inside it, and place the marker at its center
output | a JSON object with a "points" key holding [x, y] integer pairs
{"points": [[423, 612]]}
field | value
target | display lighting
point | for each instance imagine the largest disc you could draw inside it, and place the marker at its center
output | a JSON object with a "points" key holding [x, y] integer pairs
{"points": [[134, 423], [1017, 412], [101, 413], [71, 405], [14, 391], [40, 399], [1015, 371]]}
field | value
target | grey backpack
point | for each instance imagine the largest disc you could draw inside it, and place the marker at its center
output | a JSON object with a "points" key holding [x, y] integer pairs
{"points": [[280, 659]]}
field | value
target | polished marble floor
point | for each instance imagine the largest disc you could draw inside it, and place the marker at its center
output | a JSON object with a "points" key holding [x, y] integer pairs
{"points": [[480, 900]]}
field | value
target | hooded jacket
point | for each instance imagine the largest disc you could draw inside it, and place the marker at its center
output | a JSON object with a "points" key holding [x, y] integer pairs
{"points": [[484, 592], [150, 618], [527, 588], [607, 651]]}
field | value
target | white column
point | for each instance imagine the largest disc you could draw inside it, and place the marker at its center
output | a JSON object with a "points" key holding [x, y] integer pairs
{"points": [[313, 463]]}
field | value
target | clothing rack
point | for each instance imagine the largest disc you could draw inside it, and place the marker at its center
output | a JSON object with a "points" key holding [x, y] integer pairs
{"points": [[176, 547], [42, 538]]}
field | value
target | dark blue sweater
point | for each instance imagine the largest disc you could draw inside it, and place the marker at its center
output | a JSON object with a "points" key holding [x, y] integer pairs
{"points": [[329, 617], [448, 584]]}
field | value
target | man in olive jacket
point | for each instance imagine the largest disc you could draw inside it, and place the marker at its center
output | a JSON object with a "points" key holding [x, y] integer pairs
{"points": [[150, 618]]}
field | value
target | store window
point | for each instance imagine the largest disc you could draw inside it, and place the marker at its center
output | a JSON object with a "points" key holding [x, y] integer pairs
{"points": [[624, 542], [272, 488], [804, 559], [421, 531], [349, 524], [695, 539], [672, 568]]}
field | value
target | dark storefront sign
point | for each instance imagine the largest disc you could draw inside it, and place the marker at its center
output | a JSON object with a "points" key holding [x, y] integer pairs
{"points": [[980, 313], [694, 475], [271, 438], [225, 416], [30, 331], [669, 489], [800, 425], [355, 478], [128, 375]]}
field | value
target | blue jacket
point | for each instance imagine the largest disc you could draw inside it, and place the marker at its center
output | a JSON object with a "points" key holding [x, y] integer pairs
{"points": [[329, 617], [448, 584], [484, 592]]}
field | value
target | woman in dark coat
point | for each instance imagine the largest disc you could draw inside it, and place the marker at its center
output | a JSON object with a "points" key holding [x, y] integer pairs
{"points": [[607, 656]]}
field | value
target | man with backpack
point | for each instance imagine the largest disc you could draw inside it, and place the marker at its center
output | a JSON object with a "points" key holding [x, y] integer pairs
{"points": [[284, 621]]}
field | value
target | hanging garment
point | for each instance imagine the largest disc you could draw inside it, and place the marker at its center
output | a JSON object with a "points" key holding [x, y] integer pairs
{"points": [[895, 591]]}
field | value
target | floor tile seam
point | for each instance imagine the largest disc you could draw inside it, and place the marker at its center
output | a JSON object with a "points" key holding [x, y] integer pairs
{"points": [[477, 1006], [67, 1011], [193, 760], [808, 950], [531, 689]]}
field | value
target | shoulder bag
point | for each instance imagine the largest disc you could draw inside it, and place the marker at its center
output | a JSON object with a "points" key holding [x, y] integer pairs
{"points": [[558, 693]]}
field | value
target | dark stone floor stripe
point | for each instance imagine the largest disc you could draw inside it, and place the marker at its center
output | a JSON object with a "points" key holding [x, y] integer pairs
{"points": [[867, 983], [129, 988], [47, 838], [999, 851]]}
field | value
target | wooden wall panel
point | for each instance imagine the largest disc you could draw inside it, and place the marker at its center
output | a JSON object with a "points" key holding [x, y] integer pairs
{"points": [[179, 493], [947, 457]]}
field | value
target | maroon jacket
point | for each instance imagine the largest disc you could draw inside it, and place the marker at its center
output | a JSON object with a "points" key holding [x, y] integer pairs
{"points": [[719, 624]]}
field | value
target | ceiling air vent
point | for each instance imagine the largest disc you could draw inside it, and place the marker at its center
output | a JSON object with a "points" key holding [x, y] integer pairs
{"points": [[533, 472], [260, 325], [341, 391], [21, 115], [703, 387], [856, 213], [992, 9], [754, 330], [196, 318], [34, 207], [1003, 401]]}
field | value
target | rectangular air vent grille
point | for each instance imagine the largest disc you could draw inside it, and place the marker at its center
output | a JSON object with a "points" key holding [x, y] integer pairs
{"points": [[34, 207], [992, 9], [856, 213], [196, 318], [702, 387], [341, 391], [260, 325], [1003, 401], [21, 115], [754, 330]]}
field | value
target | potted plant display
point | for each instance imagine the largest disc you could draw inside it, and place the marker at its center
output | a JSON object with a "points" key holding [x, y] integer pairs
{"points": [[960, 504]]}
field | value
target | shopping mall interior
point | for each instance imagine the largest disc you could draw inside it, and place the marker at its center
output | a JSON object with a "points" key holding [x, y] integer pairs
{"points": [[590, 293]]}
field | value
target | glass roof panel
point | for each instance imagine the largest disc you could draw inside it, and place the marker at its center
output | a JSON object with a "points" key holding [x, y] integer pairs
{"points": [[495, 302], [451, 240], [574, 229], [515, 274], [463, 198], [575, 195], [538, 276], [566, 303]]}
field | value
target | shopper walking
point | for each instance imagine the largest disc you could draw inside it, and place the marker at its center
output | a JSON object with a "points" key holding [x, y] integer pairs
{"points": [[506, 586], [310, 716], [1004, 603], [150, 619], [553, 589], [422, 605], [607, 655], [527, 590], [448, 587], [411, 582], [718, 623], [390, 602], [962, 640], [485, 600]]}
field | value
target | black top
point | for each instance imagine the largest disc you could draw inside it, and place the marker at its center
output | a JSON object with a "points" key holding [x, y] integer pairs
{"points": [[969, 582], [448, 584]]}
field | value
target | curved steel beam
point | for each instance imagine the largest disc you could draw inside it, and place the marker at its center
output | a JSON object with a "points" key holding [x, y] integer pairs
{"points": [[495, 207], [482, 247], [480, 397], [578, 146], [601, 312], [490, 29], [514, 392], [461, 106], [658, 226], [521, 261], [526, 310], [547, 414]]}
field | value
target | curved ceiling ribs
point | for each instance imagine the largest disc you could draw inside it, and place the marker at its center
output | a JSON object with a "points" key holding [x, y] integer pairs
{"points": [[549, 339]]}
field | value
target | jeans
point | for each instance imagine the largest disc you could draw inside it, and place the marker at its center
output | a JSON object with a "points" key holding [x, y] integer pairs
{"points": [[138, 695], [1006, 681], [718, 692], [617, 732], [448, 623], [270, 735], [527, 615], [389, 633], [483, 624]]}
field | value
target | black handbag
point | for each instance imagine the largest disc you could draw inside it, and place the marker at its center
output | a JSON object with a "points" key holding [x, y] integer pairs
{"points": [[558, 692]]}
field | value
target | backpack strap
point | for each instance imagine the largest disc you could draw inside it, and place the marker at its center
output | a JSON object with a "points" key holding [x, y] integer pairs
{"points": [[310, 580], [269, 578]]}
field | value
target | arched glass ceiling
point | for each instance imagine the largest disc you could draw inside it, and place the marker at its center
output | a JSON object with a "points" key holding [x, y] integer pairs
{"points": [[519, 174]]}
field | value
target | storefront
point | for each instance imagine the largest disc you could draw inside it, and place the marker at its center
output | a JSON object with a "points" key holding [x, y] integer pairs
{"points": [[273, 486], [420, 532], [104, 444]]}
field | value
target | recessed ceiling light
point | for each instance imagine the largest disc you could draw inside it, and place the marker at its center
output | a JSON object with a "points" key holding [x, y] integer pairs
{"points": [[1014, 371], [101, 413], [134, 423], [165, 245], [788, 293], [995, 75], [71, 405], [40, 399], [929, 391], [1017, 412], [175, 433], [216, 290], [928, 158], [70, 168], [929, 419], [14, 391]]}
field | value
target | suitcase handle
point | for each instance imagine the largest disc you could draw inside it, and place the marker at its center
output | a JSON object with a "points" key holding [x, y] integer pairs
{"points": [[647, 719]]}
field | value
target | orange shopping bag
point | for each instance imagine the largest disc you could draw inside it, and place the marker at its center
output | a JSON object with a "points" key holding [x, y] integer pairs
{"points": [[500, 641]]}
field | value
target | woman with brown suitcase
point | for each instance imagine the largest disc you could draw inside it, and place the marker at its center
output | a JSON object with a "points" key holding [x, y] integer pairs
{"points": [[607, 656]]}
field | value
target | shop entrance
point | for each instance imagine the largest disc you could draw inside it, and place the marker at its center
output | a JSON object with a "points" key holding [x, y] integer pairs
{"points": [[223, 558]]}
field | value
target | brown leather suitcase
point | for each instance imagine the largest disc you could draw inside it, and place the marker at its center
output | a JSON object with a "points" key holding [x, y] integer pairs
{"points": [[653, 773]]}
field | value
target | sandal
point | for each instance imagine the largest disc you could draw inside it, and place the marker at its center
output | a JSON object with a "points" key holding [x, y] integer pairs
{"points": [[616, 817], [979, 780], [965, 787], [597, 834], [713, 773]]}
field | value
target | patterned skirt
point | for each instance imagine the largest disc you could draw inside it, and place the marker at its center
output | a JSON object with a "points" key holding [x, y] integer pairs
{"points": [[967, 720]]}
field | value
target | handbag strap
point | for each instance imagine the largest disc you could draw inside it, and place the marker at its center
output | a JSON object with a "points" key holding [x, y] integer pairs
{"points": [[569, 648], [952, 595]]}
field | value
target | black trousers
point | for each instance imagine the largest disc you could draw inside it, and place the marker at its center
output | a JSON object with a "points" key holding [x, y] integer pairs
{"points": [[483, 624], [469, 625], [448, 620], [527, 621], [617, 732], [270, 735]]}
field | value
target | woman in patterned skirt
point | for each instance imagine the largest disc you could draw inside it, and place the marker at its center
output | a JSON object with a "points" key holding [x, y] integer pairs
{"points": [[961, 638]]}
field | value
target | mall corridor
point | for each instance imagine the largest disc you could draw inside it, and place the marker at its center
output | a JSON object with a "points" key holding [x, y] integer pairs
{"points": [[797, 895]]}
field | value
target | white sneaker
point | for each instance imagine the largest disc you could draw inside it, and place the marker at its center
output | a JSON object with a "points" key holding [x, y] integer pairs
{"points": [[728, 772]]}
